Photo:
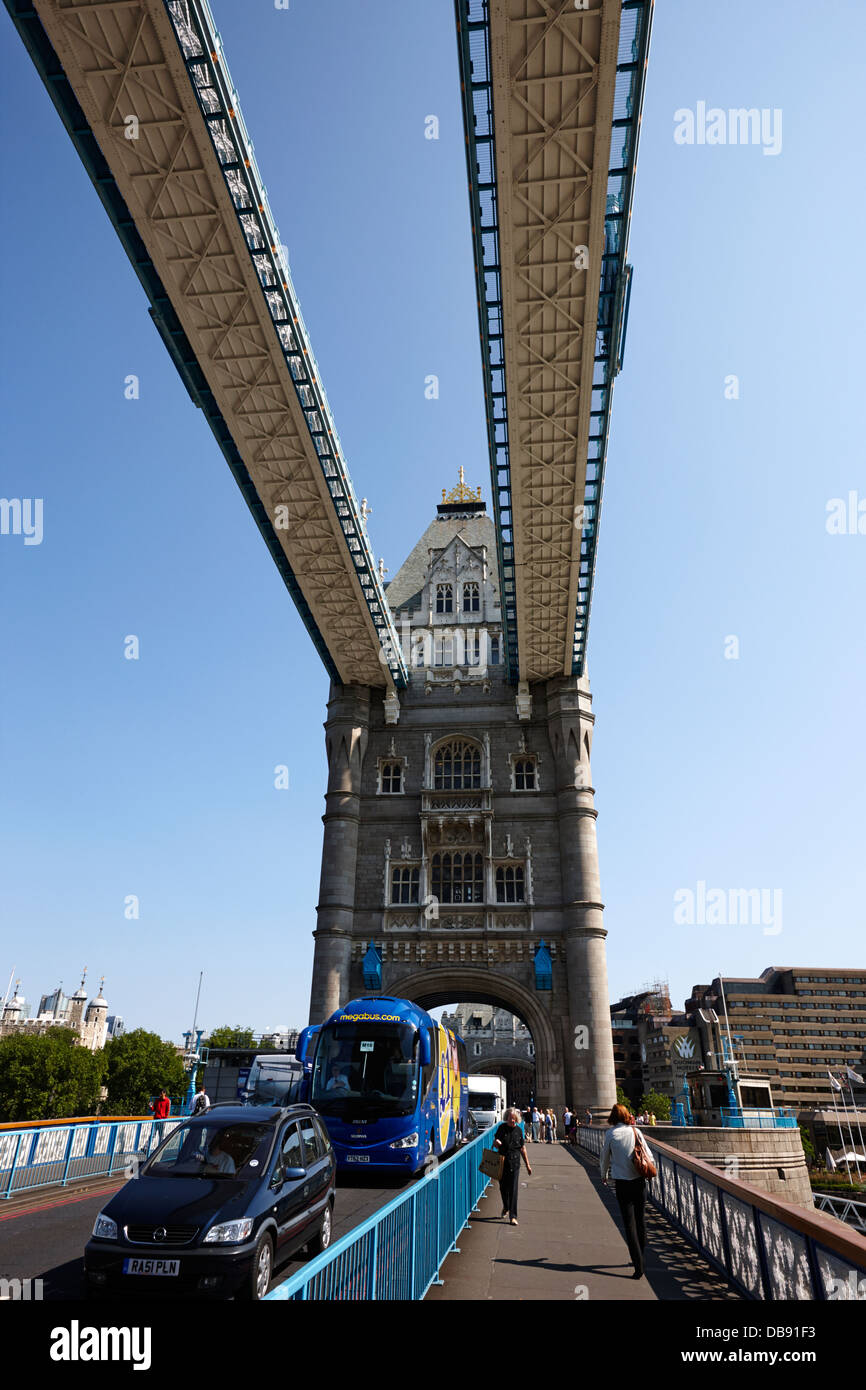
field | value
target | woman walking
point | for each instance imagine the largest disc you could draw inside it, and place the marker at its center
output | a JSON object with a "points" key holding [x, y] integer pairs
{"points": [[511, 1143], [617, 1154]]}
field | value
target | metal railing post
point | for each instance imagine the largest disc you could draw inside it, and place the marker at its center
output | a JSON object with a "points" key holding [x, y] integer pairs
{"points": [[373, 1253], [69, 1147], [8, 1191], [413, 1253]]}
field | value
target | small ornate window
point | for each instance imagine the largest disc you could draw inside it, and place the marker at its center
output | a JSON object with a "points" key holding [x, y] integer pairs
{"points": [[458, 878], [494, 650], [525, 775], [404, 884], [392, 778], [443, 650], [471, 598], [444, 598], [509, 884], [419, 649], [476, 1049], [457, 767]]}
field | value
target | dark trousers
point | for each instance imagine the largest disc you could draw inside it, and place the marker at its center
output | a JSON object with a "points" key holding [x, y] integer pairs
{"points": [[508, 1185], [631, 1197]]}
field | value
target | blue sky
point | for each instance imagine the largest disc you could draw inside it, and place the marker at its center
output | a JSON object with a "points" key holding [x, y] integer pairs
{"points": [[155, 777]]}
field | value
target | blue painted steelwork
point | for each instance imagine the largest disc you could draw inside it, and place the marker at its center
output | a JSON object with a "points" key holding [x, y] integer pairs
{"points": [[473, 31], [66, 1153], [167, 323], [397, 1254], [372, 968], [543, 967], [774, 1117], [747, 1237]]}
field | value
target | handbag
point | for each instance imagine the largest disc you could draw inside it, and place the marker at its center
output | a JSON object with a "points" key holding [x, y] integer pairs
{"points": [[643, 1164], [492, 1164]]}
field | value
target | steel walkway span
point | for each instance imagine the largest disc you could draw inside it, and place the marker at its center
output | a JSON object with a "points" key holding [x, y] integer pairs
{"points": [[145, 93], [552, 97]]}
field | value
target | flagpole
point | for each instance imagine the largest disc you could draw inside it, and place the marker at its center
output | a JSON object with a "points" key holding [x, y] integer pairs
{"points": [[856, 1113], [851, 1136], [834, 1086]]}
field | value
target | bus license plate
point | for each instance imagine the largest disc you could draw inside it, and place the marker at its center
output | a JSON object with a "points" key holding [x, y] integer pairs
{"points": [[357, 1158], [139, 1266]]}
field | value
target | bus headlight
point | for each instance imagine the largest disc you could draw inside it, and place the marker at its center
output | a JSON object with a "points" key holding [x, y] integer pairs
{"points": [[410, 1142]]}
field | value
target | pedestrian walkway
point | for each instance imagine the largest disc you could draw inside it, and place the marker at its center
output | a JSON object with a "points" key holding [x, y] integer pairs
{"points": [[569, 1245]]}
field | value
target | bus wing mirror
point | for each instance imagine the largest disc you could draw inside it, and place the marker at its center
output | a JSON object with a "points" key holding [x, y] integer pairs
{"points": [[424, 1048], [306, 1037]]}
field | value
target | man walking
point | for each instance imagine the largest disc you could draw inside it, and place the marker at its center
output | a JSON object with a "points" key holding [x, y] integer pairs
{"points": [[201, 1102]]}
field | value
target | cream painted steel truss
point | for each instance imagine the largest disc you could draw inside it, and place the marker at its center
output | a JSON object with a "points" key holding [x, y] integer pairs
{"points": [[541, 83], [151, 81], [553, 73]]}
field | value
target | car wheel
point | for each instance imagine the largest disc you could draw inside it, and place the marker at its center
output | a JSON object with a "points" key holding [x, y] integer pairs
{"points": [[262, 1269], [322, 1239]]}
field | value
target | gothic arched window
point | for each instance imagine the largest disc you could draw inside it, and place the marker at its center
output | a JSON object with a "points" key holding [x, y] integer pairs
{"points": [[457, 767], [470, 598], [458, 878], [404, 885], [524, 775], [444, 598], [509, 884], [494, 651]]}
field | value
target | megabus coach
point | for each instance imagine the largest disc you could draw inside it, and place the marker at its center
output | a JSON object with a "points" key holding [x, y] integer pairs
{"points": [[390, 1083]]}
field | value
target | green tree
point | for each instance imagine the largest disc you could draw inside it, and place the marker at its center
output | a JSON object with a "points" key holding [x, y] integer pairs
{"points": [[140, 1064], [48, 1077], [808, 1146], [622, 1099], [226, 1036], [659, 1105]]}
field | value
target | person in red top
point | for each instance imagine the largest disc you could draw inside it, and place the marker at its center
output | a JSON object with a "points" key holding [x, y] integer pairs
{"points": [[162, 1108]]}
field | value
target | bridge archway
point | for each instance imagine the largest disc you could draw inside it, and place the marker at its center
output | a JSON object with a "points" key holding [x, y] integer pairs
{"points": [[436, 987], [519, 1077]]}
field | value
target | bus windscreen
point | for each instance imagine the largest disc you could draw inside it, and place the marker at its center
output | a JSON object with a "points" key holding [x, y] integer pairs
{"points": [[359, 1065]]}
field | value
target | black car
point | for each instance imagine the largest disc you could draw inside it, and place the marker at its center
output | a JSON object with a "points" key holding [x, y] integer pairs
{"points": [[224, 1199]]}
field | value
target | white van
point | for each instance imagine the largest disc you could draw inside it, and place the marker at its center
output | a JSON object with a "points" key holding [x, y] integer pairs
{"points": [[487, 1100]]}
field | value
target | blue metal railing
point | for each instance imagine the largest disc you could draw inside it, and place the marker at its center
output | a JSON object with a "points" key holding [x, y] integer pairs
{"points": [[773, 1117], [768, 1248], [67, 1153], [397, 1254]]}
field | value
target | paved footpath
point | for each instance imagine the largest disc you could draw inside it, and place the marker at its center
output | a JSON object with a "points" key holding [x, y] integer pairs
{"points": [[569, 1244]]}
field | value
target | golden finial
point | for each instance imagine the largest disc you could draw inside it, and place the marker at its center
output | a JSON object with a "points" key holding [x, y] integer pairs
{"points": [[461, 493]]}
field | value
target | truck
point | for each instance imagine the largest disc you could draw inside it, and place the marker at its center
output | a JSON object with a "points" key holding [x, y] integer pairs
{"points": [[487, 1100]]}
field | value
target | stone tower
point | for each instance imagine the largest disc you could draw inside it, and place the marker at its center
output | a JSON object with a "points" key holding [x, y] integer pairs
{"points": [[459, 858]]}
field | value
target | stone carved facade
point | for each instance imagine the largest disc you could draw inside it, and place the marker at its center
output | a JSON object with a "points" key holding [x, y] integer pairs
{"points": [[460, 824]]}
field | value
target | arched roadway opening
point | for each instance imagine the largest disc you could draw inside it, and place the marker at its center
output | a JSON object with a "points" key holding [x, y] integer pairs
{"points": [[442, 986]]}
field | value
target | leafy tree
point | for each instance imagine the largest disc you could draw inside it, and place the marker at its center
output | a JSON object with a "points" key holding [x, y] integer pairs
{"points": [[48, 1076], [226, 1036], [140, 1064], [808, 1147], [622, 1099], [659, 1105]]}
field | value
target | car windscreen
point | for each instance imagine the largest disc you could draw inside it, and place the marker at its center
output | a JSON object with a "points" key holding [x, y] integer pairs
{"points": [[212, 1150]]}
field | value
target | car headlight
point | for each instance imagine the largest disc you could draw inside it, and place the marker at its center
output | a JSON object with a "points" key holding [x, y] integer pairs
{"points": [[229, 1232], [104, 1227], [409, 1142]]}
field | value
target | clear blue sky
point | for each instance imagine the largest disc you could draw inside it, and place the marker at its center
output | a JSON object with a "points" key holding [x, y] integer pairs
{"points": [[155, 777]]}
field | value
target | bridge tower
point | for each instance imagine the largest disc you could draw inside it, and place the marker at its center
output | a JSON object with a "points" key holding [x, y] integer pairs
{"points": [[460, 824]]}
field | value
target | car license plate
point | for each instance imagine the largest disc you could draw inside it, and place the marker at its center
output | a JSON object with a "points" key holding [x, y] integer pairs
{"points": [[357, 1158], [139, 1266]]}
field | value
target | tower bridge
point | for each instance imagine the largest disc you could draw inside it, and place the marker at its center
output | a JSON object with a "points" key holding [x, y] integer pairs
{"points": [[459, 845]]}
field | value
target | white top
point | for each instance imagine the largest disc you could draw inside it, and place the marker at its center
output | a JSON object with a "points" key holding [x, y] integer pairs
{"points": [[223, 1162], [617, 1151]]}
